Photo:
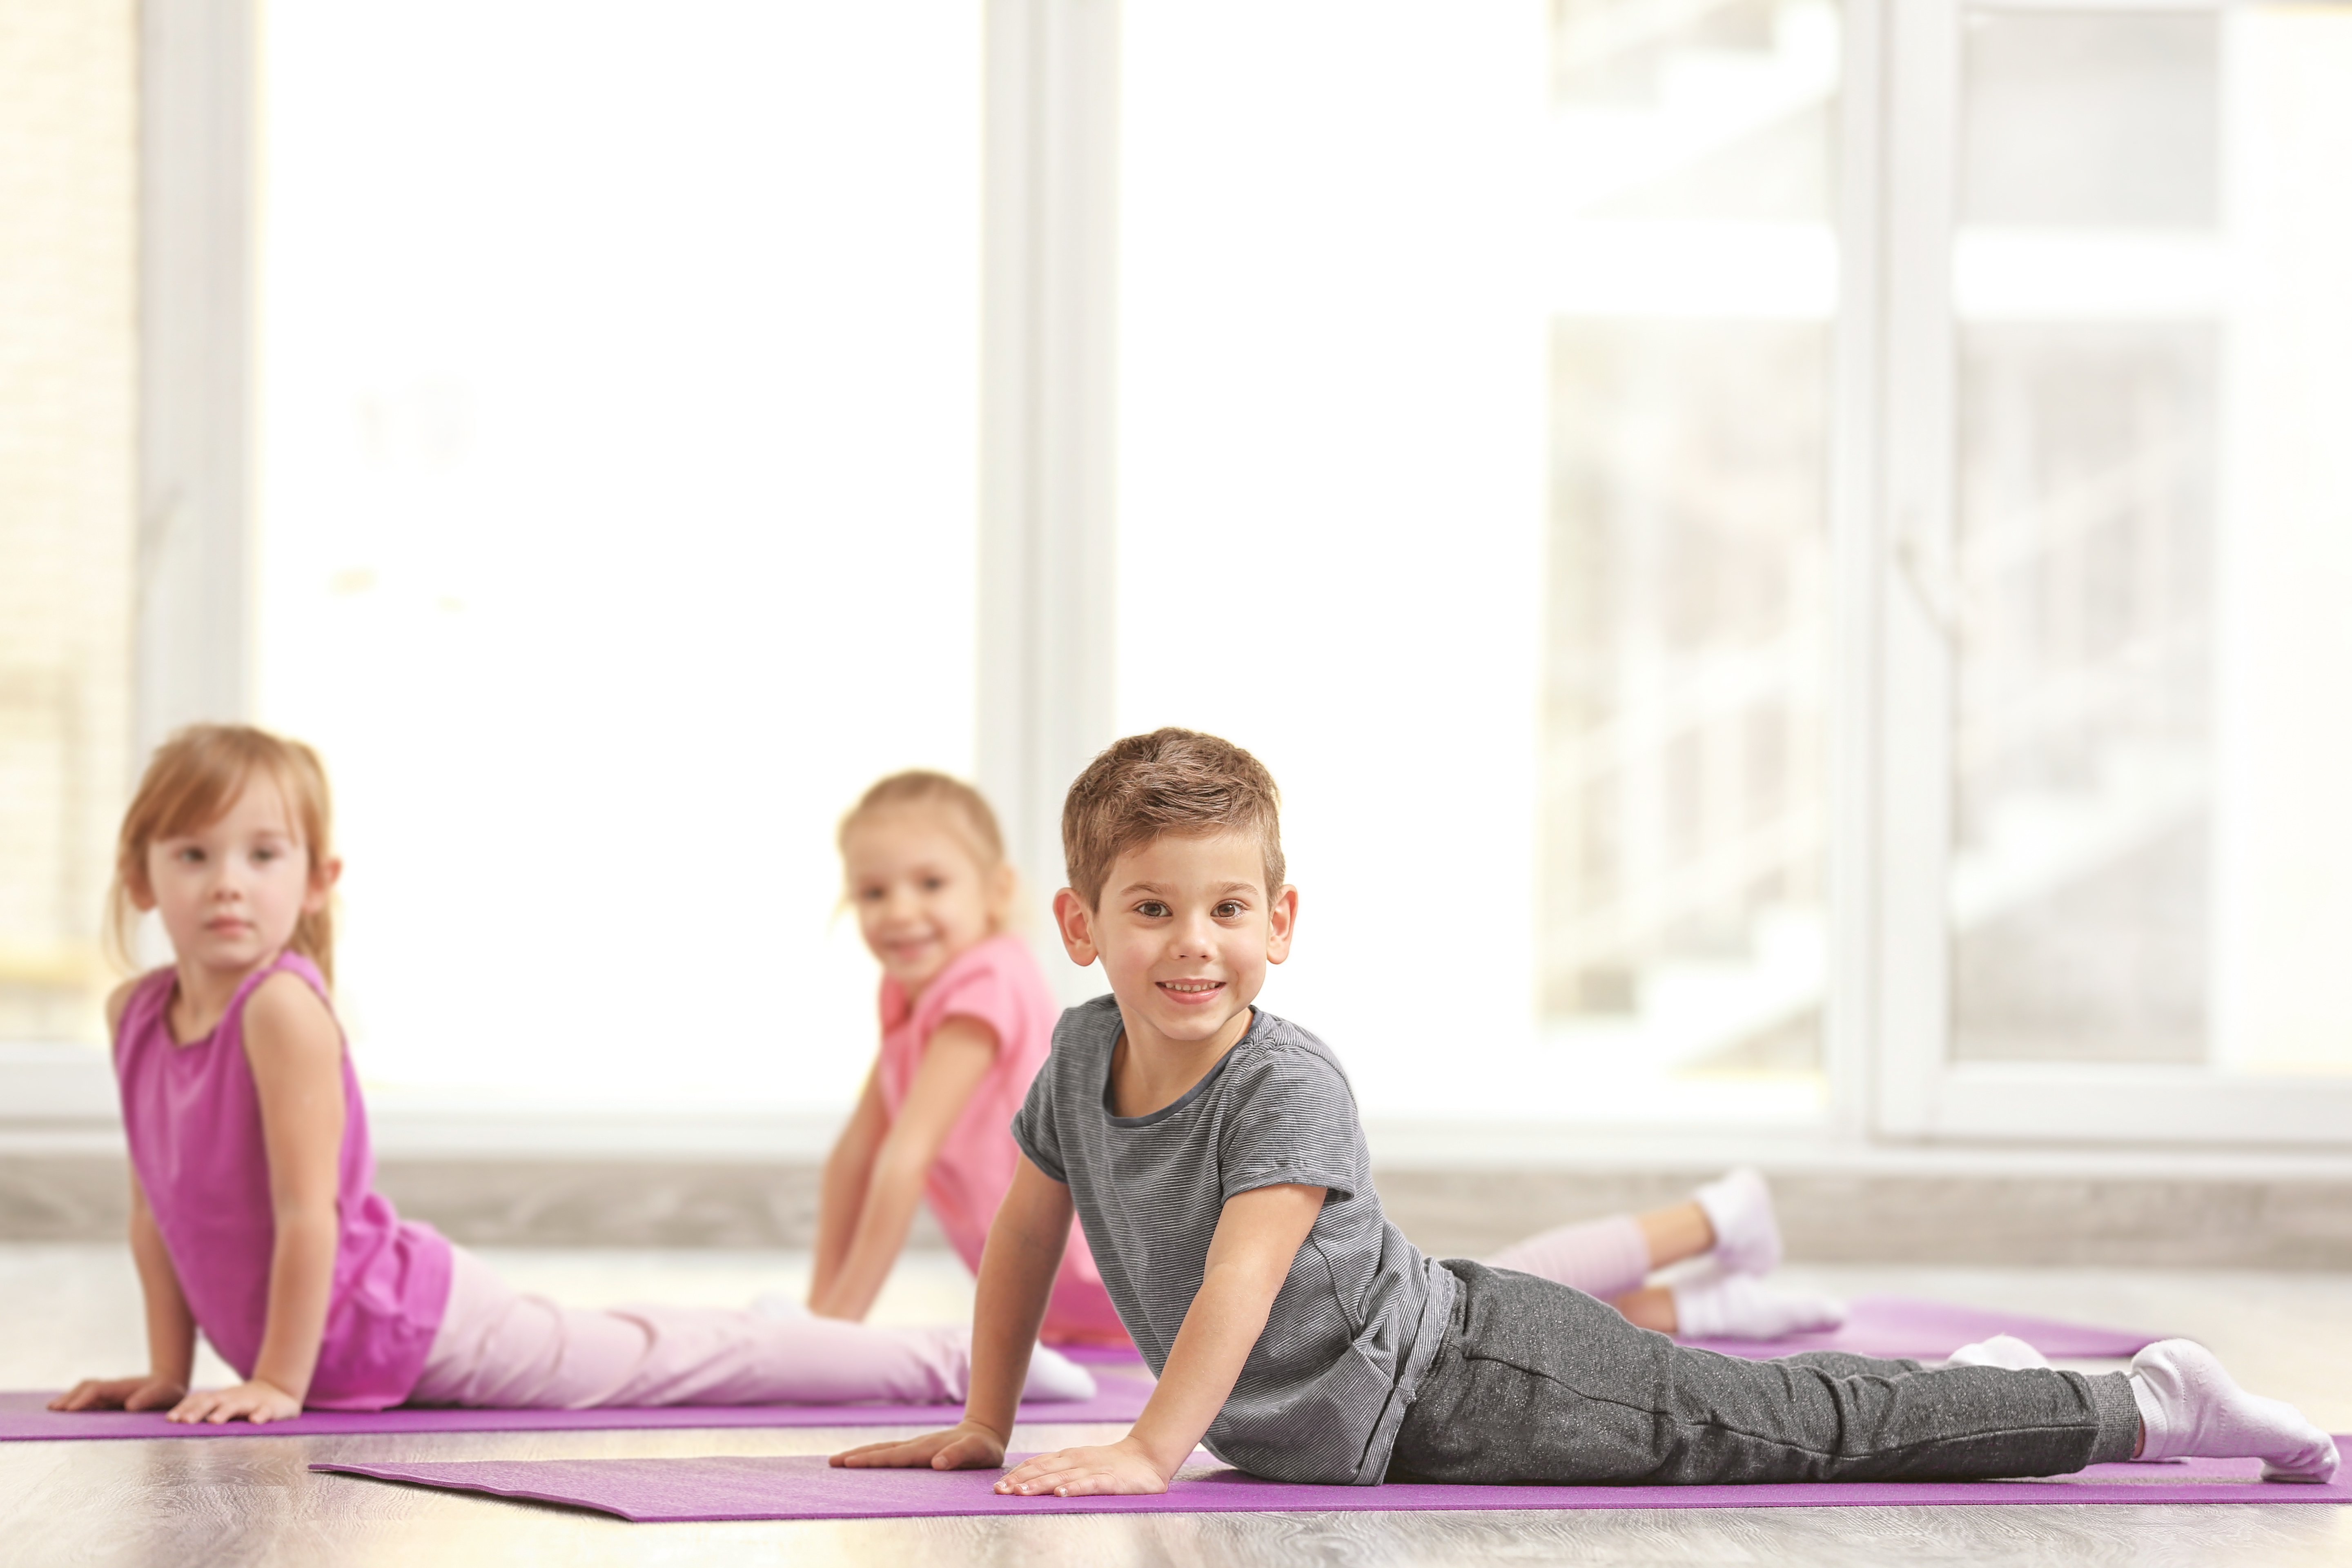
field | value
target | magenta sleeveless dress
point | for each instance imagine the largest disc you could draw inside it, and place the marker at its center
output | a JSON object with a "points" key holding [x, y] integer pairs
{"points": [[193, 1121]]}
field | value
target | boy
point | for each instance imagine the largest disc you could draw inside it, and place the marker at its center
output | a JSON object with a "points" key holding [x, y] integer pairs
{"points": [[1214, 1155]]}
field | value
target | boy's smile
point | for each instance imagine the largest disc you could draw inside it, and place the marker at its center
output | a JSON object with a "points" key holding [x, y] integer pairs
{"points": [[1185, 932]]}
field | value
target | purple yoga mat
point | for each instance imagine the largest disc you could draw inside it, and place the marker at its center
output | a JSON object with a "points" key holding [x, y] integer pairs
{"points": [[1120, 1398], [1880, 1326], [1904, 1326], [805, 1487]]}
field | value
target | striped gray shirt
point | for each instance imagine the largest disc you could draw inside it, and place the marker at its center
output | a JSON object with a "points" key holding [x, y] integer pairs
{"points": [[1361, 1312]]}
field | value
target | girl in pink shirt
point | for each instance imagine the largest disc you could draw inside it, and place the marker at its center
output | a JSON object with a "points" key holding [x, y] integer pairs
{"points": [[966, 1022], [254, 1213]]}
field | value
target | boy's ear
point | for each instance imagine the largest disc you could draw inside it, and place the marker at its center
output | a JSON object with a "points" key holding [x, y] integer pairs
{"points": [[1281, 921], [1076, 925]]}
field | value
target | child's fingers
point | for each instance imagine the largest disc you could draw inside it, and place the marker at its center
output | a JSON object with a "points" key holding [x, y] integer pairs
{"points": [[910, 1451], [967, 1453], [1041, 1473]]}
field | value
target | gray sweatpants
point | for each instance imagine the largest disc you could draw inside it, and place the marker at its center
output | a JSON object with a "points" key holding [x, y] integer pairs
{"points": [[1535, 1382]]}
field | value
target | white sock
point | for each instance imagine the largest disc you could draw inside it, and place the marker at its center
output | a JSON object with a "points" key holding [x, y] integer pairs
{"points": [[776, 1304], [2003, 1351], [2190, 1408], [1053, 1376], [1739, 1206], [1742, 1307]]}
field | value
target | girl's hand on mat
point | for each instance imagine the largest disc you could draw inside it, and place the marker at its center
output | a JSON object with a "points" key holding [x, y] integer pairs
{"points": [[255, 1400], [968, 1446], [147, 1392], [1121, 1469]]}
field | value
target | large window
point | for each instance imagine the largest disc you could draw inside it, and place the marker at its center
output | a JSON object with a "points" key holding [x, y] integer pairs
{"points": [[619, 441], [67, 383], [2139, 624], [1473, 418], [1788, 554]]}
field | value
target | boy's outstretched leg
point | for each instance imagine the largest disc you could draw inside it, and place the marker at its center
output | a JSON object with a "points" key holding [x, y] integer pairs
{"points": [[1539, 1383]]}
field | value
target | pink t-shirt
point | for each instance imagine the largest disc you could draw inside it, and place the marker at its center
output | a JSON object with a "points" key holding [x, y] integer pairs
{"points": [[192, 1118], [994, 982]]}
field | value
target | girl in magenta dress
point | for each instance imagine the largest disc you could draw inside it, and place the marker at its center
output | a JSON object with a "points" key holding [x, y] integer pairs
{"points": [[254, 1216]]}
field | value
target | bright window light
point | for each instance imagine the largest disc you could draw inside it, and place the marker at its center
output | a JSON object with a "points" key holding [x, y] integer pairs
{"points": [[618, 455]]}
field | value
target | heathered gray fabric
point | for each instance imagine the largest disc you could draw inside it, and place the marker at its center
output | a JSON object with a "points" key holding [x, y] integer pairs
{"points": [[1535, 1382], [1320, 1396]]}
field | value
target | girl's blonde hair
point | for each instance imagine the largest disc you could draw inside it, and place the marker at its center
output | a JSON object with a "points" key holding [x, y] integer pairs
{"points": [[190, 782], [965, 808]]}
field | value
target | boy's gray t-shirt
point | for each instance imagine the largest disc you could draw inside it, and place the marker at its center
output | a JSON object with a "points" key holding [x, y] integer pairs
{"points": [[1361, 1312]]}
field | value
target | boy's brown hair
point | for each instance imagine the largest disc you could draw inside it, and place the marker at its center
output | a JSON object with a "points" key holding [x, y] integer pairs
{"points": [[1171, 780]]}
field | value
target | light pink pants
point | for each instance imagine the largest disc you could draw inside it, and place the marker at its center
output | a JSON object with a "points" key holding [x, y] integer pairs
{"points": [[1604, 1257], [499, 1349]]}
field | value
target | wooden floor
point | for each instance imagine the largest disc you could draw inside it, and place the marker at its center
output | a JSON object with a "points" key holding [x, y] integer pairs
{"points": [[251, 1500]]}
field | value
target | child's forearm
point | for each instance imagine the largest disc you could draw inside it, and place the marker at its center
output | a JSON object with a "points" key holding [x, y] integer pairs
{"points": [[1017, 1268], [1220, 1329], [883, 1221], [841, 1194], [171, 1327], [840, 1198], [302, 1282]]}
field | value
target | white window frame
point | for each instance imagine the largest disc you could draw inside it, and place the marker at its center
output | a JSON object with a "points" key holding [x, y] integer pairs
{"points": [[1918, 1092], [1047, 528]]}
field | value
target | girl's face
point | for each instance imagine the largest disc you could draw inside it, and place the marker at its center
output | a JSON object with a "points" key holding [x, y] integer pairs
{"points": [[920, 895], [230, 892]]}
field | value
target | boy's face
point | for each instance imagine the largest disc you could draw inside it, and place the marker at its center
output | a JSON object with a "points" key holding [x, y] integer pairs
{"points": [[1185, 930]]}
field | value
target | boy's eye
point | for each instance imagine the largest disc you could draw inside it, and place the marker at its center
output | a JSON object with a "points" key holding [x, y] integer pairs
{"points": [[1231, 909], [933, 884], [1151, 909]]}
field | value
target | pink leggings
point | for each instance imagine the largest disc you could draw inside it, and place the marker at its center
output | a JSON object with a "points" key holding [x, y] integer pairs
{"points": [[499, 1349], [1604, 1257]]}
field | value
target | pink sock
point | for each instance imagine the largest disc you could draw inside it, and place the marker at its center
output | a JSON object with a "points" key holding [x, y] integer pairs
{"points": [[1604, 1257]]}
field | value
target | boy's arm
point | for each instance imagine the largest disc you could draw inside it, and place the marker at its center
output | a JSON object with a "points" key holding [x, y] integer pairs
{"points": [[1016, 1277], [1258, 1235], [955, 1058], [296, 1056], [841, 1194]]}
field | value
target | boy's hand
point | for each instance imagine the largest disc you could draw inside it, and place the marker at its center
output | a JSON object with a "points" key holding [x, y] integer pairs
{"points": [[255, 1400], [1121, 1469], [966, 1446], [144, 1393]]}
